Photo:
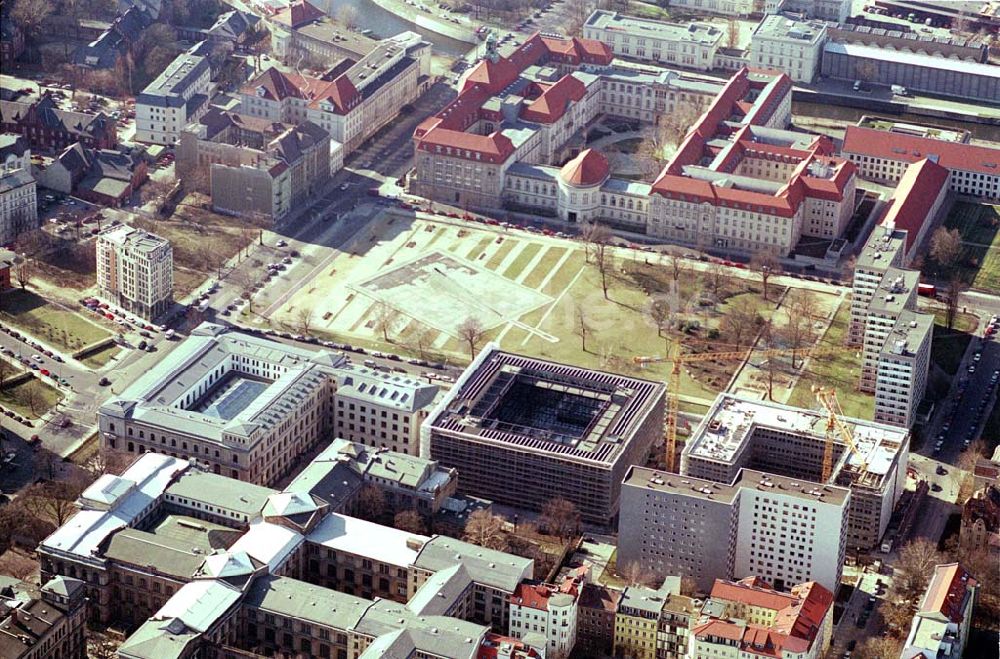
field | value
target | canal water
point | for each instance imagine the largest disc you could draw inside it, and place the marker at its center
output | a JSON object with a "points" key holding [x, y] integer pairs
{"points": [[383, 23], [852, 115]]}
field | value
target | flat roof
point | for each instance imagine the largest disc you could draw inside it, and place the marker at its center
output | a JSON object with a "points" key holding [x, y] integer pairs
{"points": [[733, 420], [892, 292], [883, 243], [909, 333], [703, 33], [300, 600], [83, 533], [725, 493], [362, 538], [486, 566], [481, 406], [176, 547], [912, 59], [788, 27]]}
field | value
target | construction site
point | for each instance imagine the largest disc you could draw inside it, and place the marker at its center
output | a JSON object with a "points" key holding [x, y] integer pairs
{"points": [[807, 445]]}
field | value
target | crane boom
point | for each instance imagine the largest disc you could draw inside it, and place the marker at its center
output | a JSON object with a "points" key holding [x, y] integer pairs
{"points": [[673, 384]]}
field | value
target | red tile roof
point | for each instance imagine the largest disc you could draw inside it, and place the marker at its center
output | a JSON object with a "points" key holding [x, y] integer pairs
{"points": [[275, 85], [946, 593], [587, 169], [918, 188], [752, 594], [298, 13], [555, 100], [720, 628], [911, 148], [493, 148], [341, 93], [490, 647]]}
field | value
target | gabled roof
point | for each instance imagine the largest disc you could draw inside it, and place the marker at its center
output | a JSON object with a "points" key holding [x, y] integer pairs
{"points": [[298, 13], [918, 188], [911, 148], [552, 104], [947, 593]]}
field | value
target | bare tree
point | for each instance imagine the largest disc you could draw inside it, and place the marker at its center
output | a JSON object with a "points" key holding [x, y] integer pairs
{"points": [[51, 501], [688, 586], [385, 320], [304, 318], [30, 14], [866, 70], [348, 16], [17, 565], [675, 262], [32, 396], [879, 647], [715, 279], [765, 264], [583, 328], [471, 331], [6, 369], [732, 33], [592, 234], [797, 331], [561, 517], [410, 521], [916, 562], [740, 322], [634, 574], [952, 294], [371, 503], [247, 283], [23, 269], [423, 338], [946, 248], [101, 648], [485, 529], [662, 316], [108, 461]]}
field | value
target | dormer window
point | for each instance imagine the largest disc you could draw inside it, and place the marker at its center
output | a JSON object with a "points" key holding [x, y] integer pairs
{"points": [[261, 91]]}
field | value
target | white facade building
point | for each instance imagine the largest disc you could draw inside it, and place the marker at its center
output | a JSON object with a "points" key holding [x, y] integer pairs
{"points": [[941, 626], [691, 46], [135, 270], [901, 374], [722, 7], [789, 44], [174, 99], [547, 610], [18, 196]]}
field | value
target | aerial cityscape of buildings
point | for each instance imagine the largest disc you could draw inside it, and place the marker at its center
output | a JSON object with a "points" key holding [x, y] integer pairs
{"points": [[543, 330]]}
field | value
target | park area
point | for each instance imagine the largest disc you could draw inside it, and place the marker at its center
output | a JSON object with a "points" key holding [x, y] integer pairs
{"points": [[978, 226], [49, 322], [412, 285], [202, 241]]}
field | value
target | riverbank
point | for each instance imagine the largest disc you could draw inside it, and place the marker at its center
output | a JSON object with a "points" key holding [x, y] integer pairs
{"points": [[464, 31]]}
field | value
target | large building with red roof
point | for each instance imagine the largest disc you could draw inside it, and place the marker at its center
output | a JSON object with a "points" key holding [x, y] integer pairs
{"points": [[738, 182], [883, 150], [759, 621], [351, 104], [940, 628]]}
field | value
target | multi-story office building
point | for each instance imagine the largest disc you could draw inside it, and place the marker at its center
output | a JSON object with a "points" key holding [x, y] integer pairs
{"points": [[941, 625], [255, 166], [551, 610], [52, 625], [779, 439], [783, 529], [174, 99], [135, 270], [750, 618], [884, 249], [901, 373], [921, 72], [554, 430], [883, 150], [897, 292], [246, 407], [788, 43], [691, 46], [202, 556], [738, 182], [18, 196], [350, 105]]}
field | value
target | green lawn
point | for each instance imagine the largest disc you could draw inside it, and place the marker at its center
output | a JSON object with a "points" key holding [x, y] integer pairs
{"points": [[67, 330], [522, 260], [101, 357], [494, 262], [840, 371], [979, 226], [30, 398]]}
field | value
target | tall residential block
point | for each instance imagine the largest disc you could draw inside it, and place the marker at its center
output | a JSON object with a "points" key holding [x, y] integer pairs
{"points": [[135, 270]]}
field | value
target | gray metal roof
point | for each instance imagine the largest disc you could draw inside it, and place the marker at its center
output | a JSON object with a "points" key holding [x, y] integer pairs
{"points": [[486, 566]]}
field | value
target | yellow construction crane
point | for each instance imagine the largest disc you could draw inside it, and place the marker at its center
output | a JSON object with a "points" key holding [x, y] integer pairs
{"points": [[673, 384], [828, 399]]}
